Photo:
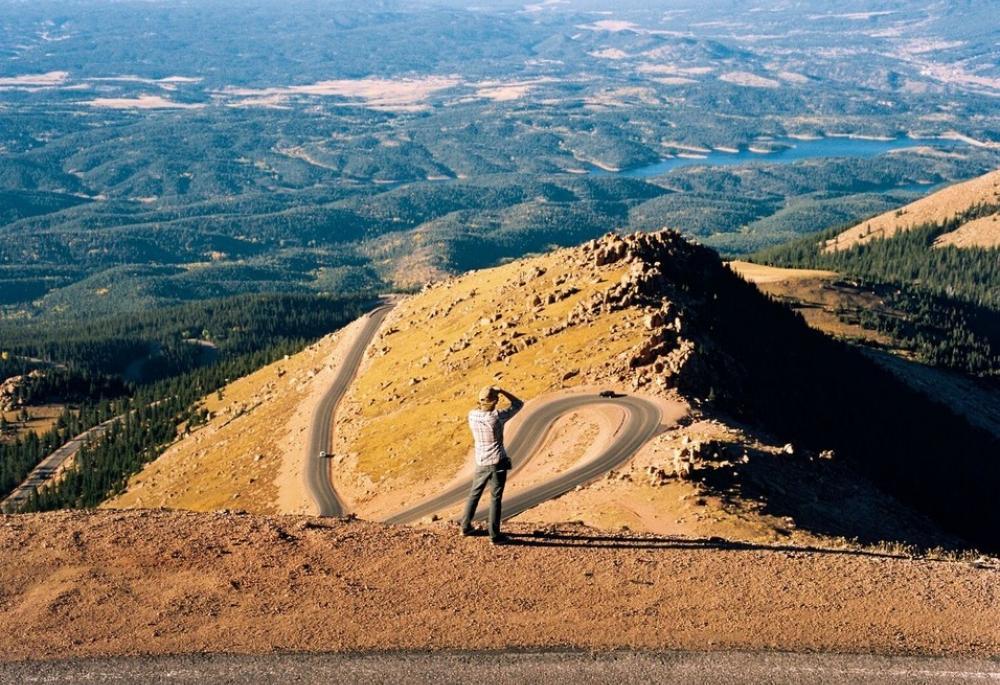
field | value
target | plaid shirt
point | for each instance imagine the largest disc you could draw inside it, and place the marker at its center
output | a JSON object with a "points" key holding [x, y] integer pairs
{"points": [[487, 431]]}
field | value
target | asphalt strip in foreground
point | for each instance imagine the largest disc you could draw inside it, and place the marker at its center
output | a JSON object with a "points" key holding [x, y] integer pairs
{"points": [[581, 668]]}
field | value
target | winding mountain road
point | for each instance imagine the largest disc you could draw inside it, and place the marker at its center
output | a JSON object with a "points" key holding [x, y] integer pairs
{"points": [[642, 423], [317, 471]]}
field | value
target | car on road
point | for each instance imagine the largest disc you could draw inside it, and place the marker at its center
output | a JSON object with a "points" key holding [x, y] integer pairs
{"points": [[323, 454], [608, 393]]}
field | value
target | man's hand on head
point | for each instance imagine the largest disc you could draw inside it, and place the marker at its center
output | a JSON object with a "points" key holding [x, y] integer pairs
{"points": [[515, 402]]}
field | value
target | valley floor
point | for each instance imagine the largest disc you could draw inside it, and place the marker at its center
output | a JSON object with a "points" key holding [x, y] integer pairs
{"points": [[157, 582]]}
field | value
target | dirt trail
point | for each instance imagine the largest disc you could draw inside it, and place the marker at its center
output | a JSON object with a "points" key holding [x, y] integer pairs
{"points": [[155, 582]]}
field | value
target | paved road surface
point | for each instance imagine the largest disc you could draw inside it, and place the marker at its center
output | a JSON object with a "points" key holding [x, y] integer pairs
{"points": [[47, 467], [558, 668], [317, 471], [642, 423]]}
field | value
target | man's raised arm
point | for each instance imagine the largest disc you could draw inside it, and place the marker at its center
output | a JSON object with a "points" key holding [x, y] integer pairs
{"points": [[515, 404]]}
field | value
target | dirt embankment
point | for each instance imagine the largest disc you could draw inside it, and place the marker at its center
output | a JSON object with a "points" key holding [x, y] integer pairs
{"points": [[154, 582]]}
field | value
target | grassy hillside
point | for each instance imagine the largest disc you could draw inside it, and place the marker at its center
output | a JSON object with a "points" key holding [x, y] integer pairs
{"points": [[934, 284], [970, 207], [656, 315]]}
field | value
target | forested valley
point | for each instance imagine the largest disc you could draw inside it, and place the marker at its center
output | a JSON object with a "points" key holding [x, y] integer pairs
{"points": [[148, 371], [942, 303]]}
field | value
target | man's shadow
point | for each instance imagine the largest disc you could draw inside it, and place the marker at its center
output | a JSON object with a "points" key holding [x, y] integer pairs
{"points": [[650, 542]]}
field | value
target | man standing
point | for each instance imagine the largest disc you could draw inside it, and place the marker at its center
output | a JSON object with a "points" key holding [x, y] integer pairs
{"points": [[491, 460]]}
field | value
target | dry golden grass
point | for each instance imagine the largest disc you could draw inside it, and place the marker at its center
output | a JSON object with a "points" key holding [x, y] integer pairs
{"points": [[43, 418], [403, 423], [935, 208], [761, 273], [141, 102], [982, 232], [237, 460]]}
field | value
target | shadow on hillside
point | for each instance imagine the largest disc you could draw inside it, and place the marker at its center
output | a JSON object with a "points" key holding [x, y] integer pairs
{"points": [[759, 362], [822, 496], [553, 539]]}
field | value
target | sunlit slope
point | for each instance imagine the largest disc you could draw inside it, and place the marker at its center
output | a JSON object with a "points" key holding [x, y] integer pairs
{"points": [[936, 208], [249, 454], [534, 326], [778, 444]]}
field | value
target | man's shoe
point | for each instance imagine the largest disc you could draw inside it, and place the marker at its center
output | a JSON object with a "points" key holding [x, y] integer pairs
{"points": [[501, 540], [468, 532]]}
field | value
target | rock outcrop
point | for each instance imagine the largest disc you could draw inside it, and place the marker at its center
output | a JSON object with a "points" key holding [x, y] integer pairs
{"points": [[11, 389], [660, 269]]}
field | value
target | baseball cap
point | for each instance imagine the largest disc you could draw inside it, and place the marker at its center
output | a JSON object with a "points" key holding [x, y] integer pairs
{"points": [[488, 397]]}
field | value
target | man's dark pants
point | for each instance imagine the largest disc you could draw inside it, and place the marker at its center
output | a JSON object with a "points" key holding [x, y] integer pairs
{"points": [[496, 476]]}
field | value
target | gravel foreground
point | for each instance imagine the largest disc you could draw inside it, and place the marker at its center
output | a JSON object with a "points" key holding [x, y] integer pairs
{"points": [[99, 584], [621, 668]]}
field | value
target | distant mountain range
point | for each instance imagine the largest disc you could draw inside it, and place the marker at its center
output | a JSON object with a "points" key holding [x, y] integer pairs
{"points": [[355, 147]]}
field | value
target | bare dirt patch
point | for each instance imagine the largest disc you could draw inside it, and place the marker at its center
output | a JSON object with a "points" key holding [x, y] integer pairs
{"points": [[609, 53], [622, 97], [611, 26], [31, 82], [669, 69], [377, 93], [142, 102], [146, 582], [745, 78], [506, 91]]}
